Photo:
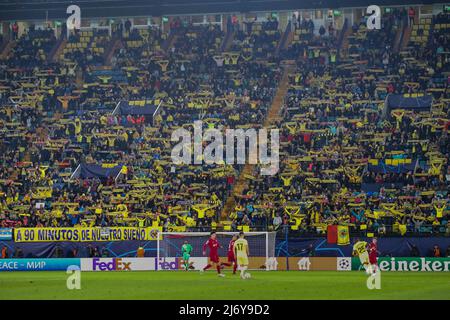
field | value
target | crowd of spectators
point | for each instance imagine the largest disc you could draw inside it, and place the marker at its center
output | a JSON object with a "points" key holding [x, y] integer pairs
{"points": [[54, 125], [334, 130], [335, 135]]}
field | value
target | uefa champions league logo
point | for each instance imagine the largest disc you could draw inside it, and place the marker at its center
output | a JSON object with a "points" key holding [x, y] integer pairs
{"points": [[344, 264]]}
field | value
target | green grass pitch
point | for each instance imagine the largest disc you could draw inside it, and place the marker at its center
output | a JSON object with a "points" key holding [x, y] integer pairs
{"points": [[193, 285]]}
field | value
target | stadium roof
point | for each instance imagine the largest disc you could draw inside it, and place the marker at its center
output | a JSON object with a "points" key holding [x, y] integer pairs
{"points": [[56, 9]]}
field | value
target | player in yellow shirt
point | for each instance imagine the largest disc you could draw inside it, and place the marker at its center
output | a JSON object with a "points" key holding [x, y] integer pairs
{"points": [[360, 249], [241, 253]]}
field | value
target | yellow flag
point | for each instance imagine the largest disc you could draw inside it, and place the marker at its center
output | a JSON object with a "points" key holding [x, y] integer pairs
{"points": [[402, 229], [343, 236]]}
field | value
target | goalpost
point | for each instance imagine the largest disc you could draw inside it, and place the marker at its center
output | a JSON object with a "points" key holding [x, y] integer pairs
{"points": [[261, 248]]}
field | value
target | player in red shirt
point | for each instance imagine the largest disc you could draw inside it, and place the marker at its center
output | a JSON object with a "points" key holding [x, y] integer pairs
{"points": [[373, 253], [231, 257], [214, 246]]}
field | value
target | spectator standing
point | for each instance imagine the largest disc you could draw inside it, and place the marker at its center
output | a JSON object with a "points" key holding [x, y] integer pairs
{"points": [[140, 252], [63, 30], [436, 251], [120, 28], [229, 24], [331, 30], [58, 252], [310, 251], [311, 26], [15, 31], [73, 253], [277, 221], [414, 251], [127, 27], [322, 31], [294, 21], [90, 250], [234, 23], [18, 253], [411, 15], [96, 252], [5, 252]]}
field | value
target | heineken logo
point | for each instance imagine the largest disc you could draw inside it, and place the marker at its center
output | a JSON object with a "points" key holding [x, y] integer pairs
{"points": [[409, 264]]}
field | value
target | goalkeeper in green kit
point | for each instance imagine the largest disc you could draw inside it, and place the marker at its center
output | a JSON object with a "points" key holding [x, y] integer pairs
{"points": [[186, 249]]}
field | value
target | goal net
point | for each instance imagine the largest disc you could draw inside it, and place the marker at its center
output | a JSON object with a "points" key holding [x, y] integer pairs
{"points": [[169, 255]]}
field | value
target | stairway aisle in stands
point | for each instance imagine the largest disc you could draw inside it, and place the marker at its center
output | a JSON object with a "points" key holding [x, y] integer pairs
{"points": [[169, 43], [228, 41], [79, 78], [406, 38], [58, 55], [273, 115], [56, 50], [345, 43], [398, 38], [9, 46], [110, 52], [286, 39]]}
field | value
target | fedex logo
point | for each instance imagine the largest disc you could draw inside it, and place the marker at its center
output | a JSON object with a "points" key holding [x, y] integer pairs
{"points": [[168, 264], [115, 264], [176, 263]]}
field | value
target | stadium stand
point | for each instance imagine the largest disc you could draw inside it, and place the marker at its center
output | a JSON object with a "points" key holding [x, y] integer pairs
{"points": [[364, 131], [347, 163], [78, 128]]}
